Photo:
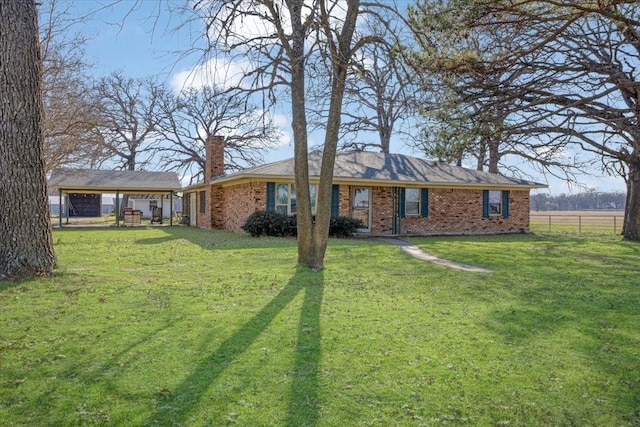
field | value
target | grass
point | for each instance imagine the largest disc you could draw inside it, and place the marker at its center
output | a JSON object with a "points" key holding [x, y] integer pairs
{"points": [[181, 326]]}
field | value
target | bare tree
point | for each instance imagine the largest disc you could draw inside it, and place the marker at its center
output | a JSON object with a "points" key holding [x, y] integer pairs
{"points": [[380, 94], [129, 116], [192, 116], [287, 44], [128, 131], [69, 111], [26, 246]]}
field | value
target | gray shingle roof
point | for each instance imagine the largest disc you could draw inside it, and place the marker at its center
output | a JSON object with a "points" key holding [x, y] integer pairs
{"points": [[114, 180], [386, 168]]}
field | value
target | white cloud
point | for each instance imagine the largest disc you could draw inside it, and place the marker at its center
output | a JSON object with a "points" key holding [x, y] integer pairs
{"points": [[216, 72]]}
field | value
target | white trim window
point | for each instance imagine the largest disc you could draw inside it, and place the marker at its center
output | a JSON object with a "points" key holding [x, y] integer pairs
{"points": [[412, 202], [495, 202], [286, 201]]}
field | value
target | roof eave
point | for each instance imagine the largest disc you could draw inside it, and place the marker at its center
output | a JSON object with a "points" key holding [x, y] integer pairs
{"points": [[129, 190], [242, 178]]}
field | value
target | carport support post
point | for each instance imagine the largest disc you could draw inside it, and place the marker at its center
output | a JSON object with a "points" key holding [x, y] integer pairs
{"points": [[171, 207], [117, 210], [67, 206], [60, 207]]}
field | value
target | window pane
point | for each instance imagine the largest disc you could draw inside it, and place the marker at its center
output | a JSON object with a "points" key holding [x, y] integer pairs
{"points": [[281, 209], [412, 195], [282, 194], [361, 198], [412, 208], [312, 191], [294, 200], [495, 202], [412, 201]]}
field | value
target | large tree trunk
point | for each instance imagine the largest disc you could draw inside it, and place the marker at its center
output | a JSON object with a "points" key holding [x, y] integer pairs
{"points": [[631, 229], [26, 246]]}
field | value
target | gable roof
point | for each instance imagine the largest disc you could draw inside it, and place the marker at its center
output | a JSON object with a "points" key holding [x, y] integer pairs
{"points": [[91, 180], [384, 169]]}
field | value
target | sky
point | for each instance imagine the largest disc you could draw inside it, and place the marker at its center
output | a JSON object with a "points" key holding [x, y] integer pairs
{"points": [[127, 37]]}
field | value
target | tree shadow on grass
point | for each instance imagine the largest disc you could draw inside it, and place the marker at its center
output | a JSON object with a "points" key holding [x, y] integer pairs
{"points": [[589, 300], [303, 400]]}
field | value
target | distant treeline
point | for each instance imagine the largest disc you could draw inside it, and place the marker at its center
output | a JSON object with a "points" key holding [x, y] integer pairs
{"points": [[576, 202]]}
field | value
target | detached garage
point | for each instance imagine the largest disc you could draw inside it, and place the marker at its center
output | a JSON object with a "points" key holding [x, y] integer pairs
{"points": [[80, 190]]}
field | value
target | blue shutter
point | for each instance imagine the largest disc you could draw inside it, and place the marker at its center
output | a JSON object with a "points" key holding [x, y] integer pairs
{"points": [[424, 202], [402, 201], [505, 204], [271, 196], [485, 203], [335, 201]]}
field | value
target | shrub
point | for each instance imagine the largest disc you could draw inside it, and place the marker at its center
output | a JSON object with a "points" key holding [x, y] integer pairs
{"points": [[264, 223], [269, 224], [343, 226]]}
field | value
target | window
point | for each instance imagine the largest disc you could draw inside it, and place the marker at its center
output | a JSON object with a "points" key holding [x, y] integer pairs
{"points": [[412, 201], [203, 201], [285, 199], [282, 198], [495, 202]]}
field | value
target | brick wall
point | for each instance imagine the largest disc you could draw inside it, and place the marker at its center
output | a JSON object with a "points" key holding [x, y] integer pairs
{"points": [[382, 210], [203, 218], [460, 212], [240, 201], [451, 211]]}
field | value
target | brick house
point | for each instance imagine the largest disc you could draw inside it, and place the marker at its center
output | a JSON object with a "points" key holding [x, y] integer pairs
{"points": [[392, 194]]}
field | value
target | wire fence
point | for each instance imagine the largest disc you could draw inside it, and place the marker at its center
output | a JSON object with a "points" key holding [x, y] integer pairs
{"points": [[587, 223]]}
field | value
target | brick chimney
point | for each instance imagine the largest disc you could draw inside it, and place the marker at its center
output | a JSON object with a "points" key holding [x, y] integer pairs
{"points": [[214, 158], [214, 168]]}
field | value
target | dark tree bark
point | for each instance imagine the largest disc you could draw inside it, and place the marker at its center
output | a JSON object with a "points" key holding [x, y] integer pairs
{"points": [[26, 246]]}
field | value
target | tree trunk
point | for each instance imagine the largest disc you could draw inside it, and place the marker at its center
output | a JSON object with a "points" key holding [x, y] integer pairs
{"points": [[494, 153], [300, 142], [26, 246], [631, 229], [313, 235]]}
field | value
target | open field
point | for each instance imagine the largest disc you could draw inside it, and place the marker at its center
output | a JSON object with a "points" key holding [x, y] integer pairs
{"points": [[595, 222], [176, 326]]}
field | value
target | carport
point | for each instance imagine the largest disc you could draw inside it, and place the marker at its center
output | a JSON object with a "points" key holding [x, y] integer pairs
{"points": [[83, 183]]}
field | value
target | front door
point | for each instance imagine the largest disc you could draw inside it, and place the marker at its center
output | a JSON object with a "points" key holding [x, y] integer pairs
{"points": [[362, 207]]}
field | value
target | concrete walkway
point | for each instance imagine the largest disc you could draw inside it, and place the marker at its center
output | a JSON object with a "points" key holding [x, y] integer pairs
{"points": [[416, 252]]}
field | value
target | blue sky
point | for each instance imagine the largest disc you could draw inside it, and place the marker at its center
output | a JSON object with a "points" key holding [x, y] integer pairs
{"points": [[141, 46]]}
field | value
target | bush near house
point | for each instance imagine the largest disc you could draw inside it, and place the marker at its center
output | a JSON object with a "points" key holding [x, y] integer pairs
{"points": [[343, 226], [264, 223]]}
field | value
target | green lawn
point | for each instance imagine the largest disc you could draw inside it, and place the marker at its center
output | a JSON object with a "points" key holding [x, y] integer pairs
{"points": [[180, 326]]}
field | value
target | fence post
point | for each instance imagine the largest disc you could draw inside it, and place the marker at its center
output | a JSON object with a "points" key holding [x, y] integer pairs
{"points": [[579, 224], [549, 223], [615, 225]]}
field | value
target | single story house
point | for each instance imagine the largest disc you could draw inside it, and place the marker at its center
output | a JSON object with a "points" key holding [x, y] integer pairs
{"points": [[393, 194]]}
